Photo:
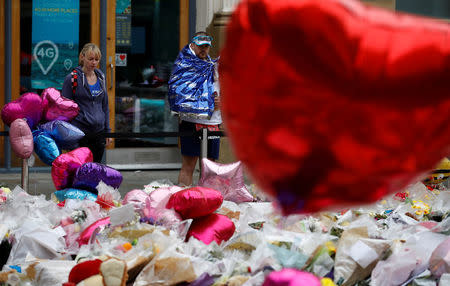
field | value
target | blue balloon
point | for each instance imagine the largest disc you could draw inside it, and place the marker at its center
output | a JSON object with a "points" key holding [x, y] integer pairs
{"points": [[45, 147], [65, 134], [71, 193]]}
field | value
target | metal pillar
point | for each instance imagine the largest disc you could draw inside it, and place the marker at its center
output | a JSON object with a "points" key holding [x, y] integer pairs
{"points": [[25, 175], [204, 146], [8, 69]]}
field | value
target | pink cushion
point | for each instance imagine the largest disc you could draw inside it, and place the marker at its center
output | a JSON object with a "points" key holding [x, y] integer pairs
{"points": [[21, 138], [156, 210], [28, 106], [65, 166], [213, 227], [195, 202], [57, 107], [136, 198]]}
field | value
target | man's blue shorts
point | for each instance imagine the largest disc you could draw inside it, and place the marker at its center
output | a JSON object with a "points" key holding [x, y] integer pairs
{"points": [[190, 146]]}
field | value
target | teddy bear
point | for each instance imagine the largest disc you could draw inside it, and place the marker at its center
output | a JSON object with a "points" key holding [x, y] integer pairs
{"points": [[102, 271]]}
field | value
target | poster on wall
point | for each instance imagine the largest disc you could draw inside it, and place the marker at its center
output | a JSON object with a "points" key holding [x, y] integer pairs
{"points": [[54, 41], [123, 23]]}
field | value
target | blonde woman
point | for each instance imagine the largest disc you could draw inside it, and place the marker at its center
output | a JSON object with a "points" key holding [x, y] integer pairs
{"points": [[86, 85]]}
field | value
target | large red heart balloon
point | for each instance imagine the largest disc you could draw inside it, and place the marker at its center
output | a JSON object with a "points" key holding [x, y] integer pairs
{"points": [[28, 105], [331, 103]]}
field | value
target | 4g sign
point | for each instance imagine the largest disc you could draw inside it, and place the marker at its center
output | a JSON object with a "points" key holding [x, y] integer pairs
{"points": [[45, 54]]}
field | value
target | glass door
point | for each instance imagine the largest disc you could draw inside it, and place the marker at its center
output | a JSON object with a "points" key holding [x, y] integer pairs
{"points": [[147, 43]]}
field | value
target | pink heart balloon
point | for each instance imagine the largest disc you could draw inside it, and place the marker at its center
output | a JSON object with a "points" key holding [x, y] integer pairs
{"points": [[21, 138], [65, 166], [57, 107], [28, 106]]}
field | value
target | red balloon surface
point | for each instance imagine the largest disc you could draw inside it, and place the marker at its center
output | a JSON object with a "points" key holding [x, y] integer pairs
{"points": [[333, 103]]}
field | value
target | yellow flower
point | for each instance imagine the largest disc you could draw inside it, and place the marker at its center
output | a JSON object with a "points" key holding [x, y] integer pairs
{"points": [[422, 208], [330, 246], [327, 282]]}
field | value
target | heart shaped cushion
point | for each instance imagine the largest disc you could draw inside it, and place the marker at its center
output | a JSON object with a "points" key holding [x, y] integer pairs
{"points": [[21, 138], [212, 227], [28, 106], [195, 202], [57, 107], [338, 103]]}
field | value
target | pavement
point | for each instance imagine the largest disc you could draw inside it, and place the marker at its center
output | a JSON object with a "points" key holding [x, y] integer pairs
{"points": [[42, 183]]}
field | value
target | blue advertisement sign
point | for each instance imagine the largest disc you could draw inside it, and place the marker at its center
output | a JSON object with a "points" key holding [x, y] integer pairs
{"points": [[55, 28]]}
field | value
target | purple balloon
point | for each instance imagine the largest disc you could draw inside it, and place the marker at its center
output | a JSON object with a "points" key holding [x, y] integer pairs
{"points": [[57, 107], [28, 106], [89, 175], [65, 134]]}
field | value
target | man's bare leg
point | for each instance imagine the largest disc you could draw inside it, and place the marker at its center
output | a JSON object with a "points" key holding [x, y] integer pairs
{"points": [[187, 170]]}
